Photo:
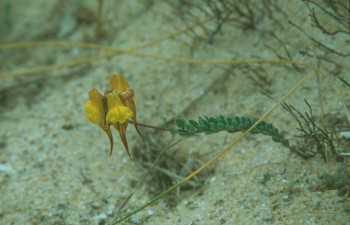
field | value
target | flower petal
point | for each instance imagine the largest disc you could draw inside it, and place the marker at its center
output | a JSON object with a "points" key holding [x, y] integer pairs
{"points": [[119, 114], [92, 113], [94, 108], [118, 83], [117, 111]]}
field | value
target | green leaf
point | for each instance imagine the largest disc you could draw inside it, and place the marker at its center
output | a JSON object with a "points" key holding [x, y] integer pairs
{"points": [[203, 122], [204, 129], [213, 126], [220, 126], [194, 123], [185, 134], [190, 129], [180, 123]]}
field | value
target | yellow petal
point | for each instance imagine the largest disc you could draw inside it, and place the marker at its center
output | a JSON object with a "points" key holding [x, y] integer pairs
{"points": [[113, 101], [117, 111], [118, 83], [92, 113], [96, 98], [119, 114], [94, 108]]}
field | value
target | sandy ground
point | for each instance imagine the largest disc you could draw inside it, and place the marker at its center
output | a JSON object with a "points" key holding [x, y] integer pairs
{"points": [[54, 164]]}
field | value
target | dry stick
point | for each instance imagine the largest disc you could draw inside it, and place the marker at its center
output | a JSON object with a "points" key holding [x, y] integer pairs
{"points": [[343, 102], [171, 35], [99, 20], [131, 50], [112, 51], [168, 58], [55, 44], [57, 66], [224, 62], [217, 156], [344, 81], [219, 62], [97, 46]]}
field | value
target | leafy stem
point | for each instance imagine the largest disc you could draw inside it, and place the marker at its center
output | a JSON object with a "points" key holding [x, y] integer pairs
{"points": [[231, 124]]}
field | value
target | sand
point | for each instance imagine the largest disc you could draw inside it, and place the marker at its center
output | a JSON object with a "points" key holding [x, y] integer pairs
{"points": [[54, 164]]}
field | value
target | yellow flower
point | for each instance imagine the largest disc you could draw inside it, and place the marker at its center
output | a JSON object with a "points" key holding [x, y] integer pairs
{"points": [[115, 108]]}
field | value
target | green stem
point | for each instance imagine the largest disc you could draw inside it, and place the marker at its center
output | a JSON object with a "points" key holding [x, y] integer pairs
{"points": [[150, 126]]}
